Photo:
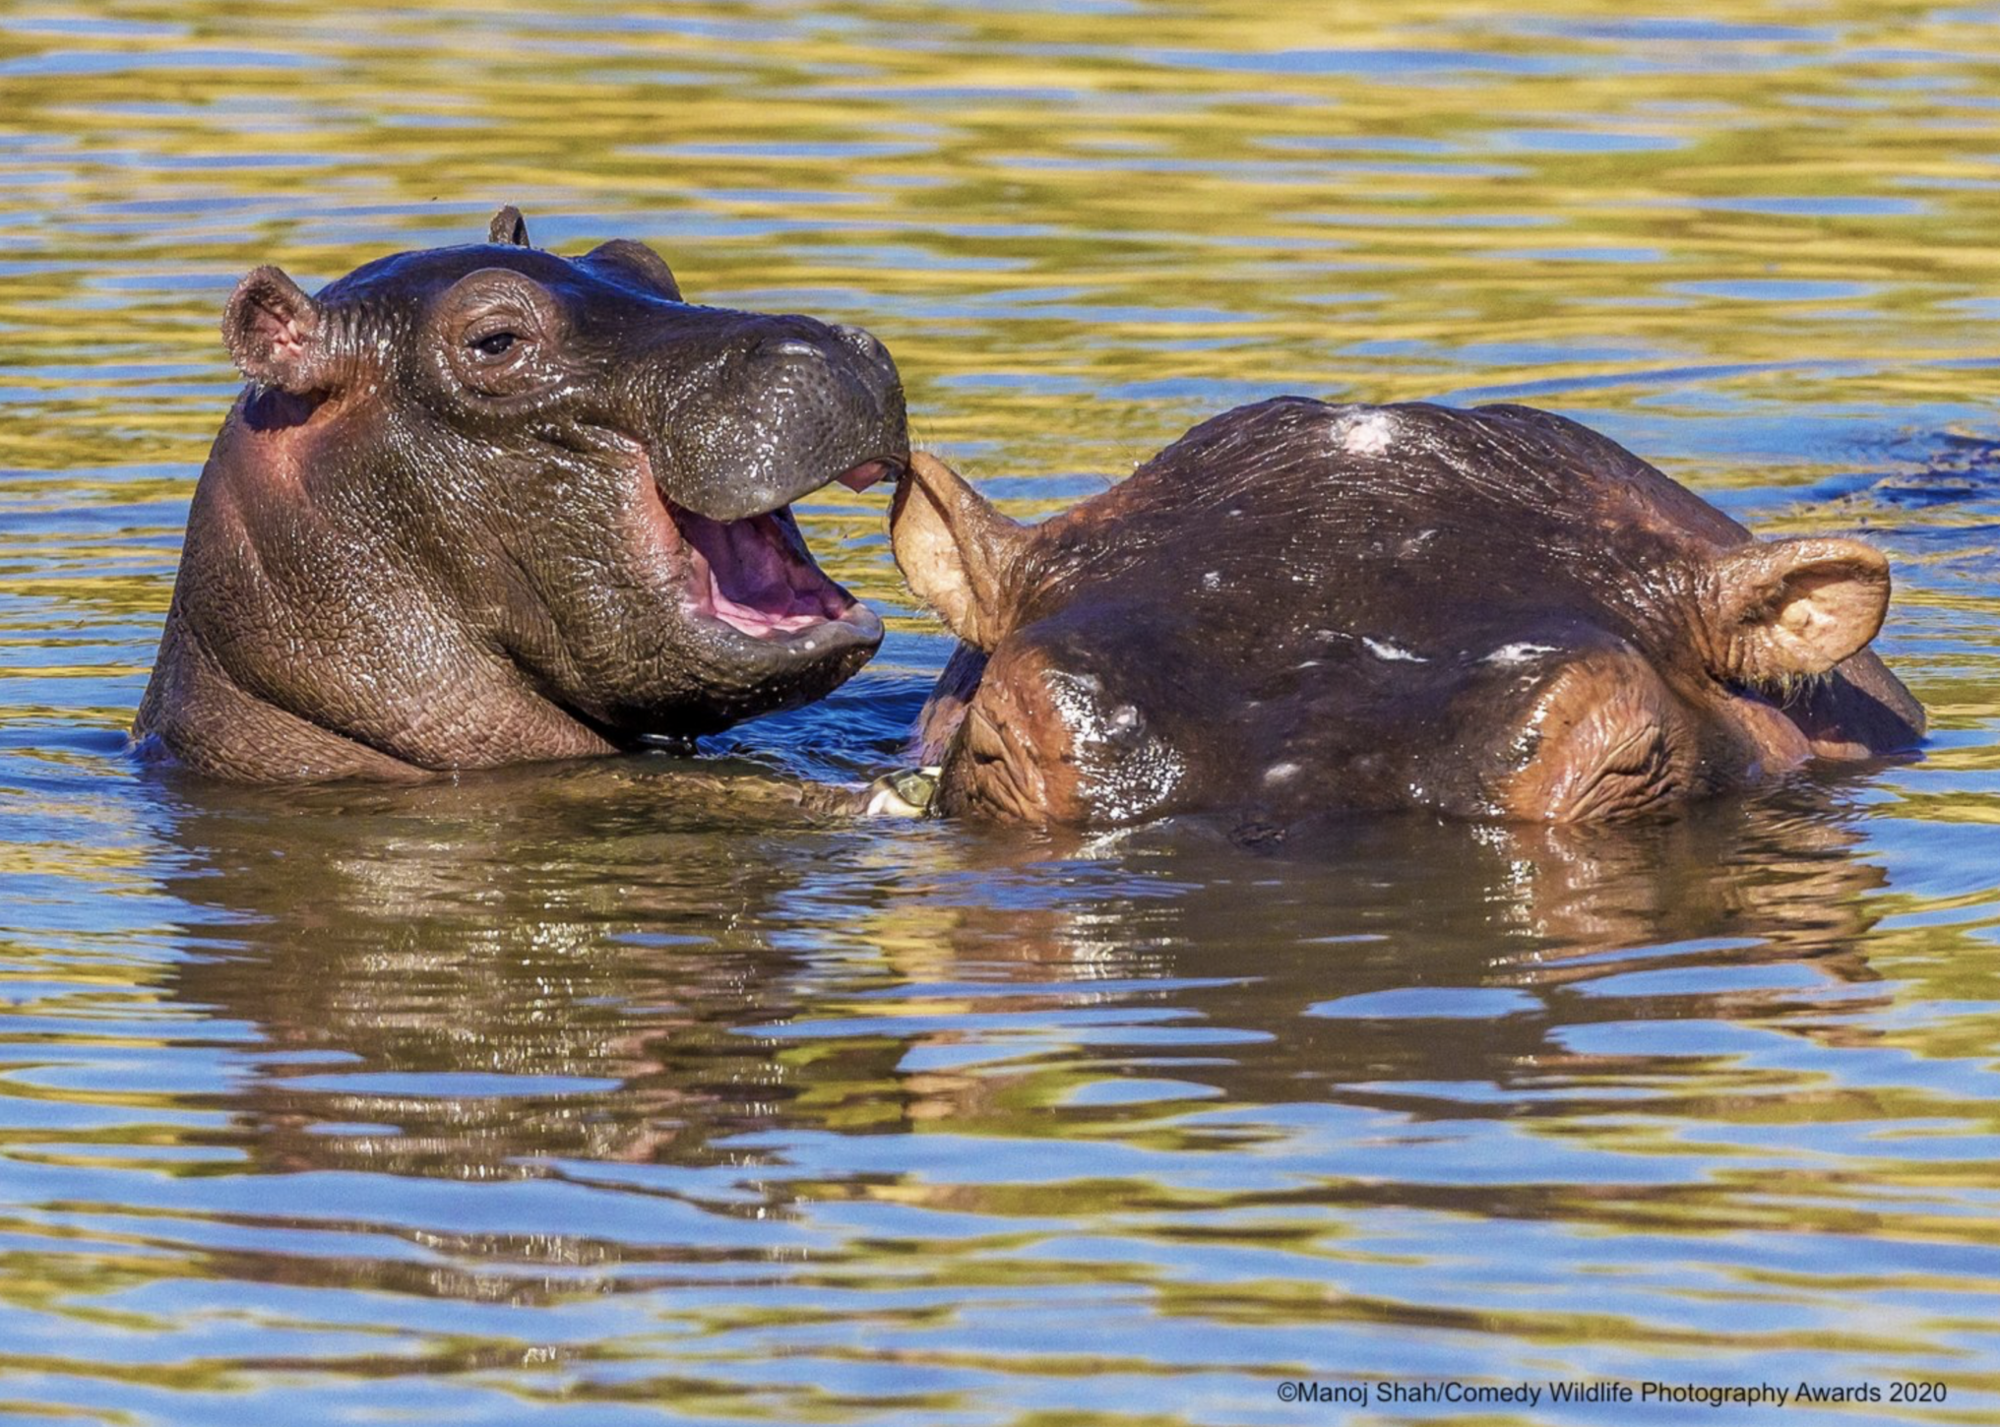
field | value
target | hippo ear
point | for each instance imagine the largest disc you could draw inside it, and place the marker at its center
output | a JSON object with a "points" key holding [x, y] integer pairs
{"points": [[1788, 608], [275, 333], [637, 265], [955, 549], [508, 227]]}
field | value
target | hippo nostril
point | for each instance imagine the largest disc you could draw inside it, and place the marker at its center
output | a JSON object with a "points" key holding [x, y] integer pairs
{"points": [[862, 341]]}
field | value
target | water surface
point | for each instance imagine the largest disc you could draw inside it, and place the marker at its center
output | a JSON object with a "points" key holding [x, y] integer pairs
{"points": [[553, 1096]]}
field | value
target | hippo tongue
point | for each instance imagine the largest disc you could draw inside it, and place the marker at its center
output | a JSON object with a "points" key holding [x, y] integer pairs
{"points": [[749, 575]]}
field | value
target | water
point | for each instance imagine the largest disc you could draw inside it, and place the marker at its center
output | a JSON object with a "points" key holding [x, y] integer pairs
{"points": [[549, 1096]]}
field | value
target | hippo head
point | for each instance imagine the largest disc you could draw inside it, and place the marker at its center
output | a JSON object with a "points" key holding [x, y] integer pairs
{"points": [[1301, 608], [486, 504]]}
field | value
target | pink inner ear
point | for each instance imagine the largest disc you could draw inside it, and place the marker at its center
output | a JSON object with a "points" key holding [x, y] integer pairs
{"points": [[279, 333], [272, 331]]}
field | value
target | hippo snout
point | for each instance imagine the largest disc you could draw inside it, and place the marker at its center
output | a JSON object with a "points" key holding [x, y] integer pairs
{"points": [[793, 404]]}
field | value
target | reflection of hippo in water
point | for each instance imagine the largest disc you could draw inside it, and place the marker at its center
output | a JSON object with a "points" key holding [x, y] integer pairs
{"points": [[514, 973], [483, 505], [1300, 607]]}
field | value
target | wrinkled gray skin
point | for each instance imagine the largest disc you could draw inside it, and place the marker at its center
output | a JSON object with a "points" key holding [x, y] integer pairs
{"points": [[486, 505]]}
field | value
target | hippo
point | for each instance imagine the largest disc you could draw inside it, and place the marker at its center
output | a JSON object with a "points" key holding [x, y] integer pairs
{"points": [[1301, 609], [483, 505]]}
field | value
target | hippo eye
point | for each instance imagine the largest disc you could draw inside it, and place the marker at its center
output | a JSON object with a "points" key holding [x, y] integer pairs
{"points": [[1126, 725], [495, 344]]}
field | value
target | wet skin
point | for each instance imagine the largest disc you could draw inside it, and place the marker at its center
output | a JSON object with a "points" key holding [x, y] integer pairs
{"points": [[1300, 609], [486, 505]]}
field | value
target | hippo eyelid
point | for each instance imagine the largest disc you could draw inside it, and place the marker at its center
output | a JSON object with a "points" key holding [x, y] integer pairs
{"points": [[494, 300], [508, 314]]}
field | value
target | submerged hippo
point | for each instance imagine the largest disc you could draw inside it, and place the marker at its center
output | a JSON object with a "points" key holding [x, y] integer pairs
{"points": [[1302, 608], [484, 504]]}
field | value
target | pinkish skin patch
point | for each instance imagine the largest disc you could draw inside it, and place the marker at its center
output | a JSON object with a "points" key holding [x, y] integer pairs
{"points": [[746, 574], [864, 476]]}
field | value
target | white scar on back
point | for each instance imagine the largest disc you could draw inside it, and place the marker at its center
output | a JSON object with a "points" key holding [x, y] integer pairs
{"points": [[1384, 649], [1369, 434], [1519, 653]]}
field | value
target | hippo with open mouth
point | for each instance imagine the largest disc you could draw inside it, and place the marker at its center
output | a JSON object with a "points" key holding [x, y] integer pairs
{"points": [[1301, 608], [484, 505]]}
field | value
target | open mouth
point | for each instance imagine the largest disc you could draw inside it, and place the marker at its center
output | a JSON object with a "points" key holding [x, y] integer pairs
{"points": [[756, 576]]}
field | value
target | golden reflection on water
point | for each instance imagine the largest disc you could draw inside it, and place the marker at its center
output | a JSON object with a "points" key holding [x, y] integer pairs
{"points": [[565, 1091]]}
